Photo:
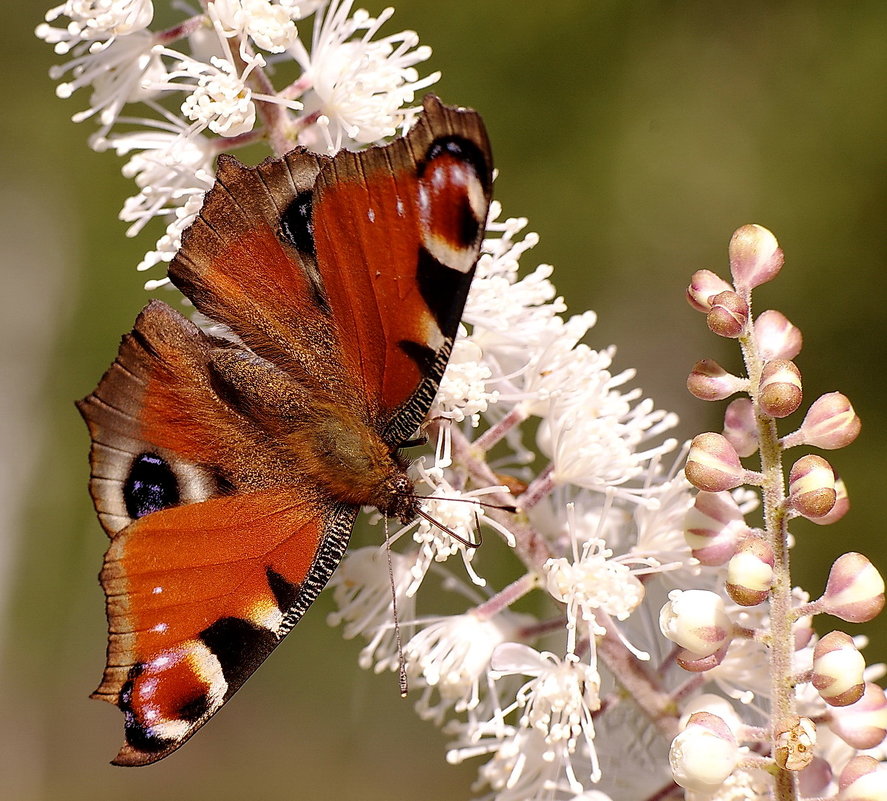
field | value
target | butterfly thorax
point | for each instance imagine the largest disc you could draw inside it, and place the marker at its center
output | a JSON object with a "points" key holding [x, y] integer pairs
{"points": [[318, 431]]}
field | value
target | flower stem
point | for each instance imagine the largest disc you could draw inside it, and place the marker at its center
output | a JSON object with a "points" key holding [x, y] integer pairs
{"points": [[781, 641]]}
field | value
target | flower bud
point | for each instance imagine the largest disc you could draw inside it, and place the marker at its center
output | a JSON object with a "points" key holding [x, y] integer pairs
{"points": [[811, 486], [780, 390], [704, 285], [741, 427], [712, 464], [863, 779], [863, 724], [794, 744], [838, 669], [704, 754], [696, 620], [709, 381], [713, 527], [777, 338], [841, 507], [714, 704], [700, 664], [755, 257], [750, 572], [854, 591], [830, 422], [728, 315], [815, 780]]}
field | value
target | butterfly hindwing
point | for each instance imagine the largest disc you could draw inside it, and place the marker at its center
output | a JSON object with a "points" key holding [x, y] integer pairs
{"points": [[197, 597], [228, 469]]}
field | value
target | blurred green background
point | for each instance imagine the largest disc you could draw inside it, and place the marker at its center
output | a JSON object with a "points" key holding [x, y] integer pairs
{"points": [[636, 137]]}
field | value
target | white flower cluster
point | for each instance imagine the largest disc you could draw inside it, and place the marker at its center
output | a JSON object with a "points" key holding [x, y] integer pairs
{"points": [[559, 681], [203, 88], [599, 534]]}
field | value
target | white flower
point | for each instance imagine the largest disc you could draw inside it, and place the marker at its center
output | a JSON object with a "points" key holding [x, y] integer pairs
{"points": [[117, 74], [362, 590], [269, 25], [592, 580], [448, 510], [96, 21], [453, 656], [361, 85], [557, 702], [594, 432], [463, 392]]}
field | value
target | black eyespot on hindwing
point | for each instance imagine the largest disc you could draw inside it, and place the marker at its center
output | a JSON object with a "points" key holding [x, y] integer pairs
{"points": [[150, 486]]}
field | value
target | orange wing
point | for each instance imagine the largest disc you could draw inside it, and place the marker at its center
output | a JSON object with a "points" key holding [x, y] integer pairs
{"points": [[351, 271], [218, 545], [198, 596]]}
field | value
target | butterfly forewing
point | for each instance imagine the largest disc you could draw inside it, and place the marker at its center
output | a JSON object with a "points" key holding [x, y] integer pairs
{"points": [[228, 472]]}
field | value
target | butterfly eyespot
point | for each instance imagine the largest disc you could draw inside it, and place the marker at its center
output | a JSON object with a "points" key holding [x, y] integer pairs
{"points": [[461, 149], [296, 224], [452, 201], [150, 486]]}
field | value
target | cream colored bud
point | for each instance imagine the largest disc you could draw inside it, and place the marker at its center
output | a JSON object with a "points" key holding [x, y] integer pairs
{"points": [[780, 391], [696, 620], [811, 486], [750, 572], [712, 464], [838, 669]]}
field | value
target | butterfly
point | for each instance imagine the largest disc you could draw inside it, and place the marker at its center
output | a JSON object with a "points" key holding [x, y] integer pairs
{"points": [[228, 470]]}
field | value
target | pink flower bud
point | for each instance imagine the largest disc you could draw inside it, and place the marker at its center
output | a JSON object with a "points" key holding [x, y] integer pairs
{"points": [[811, 486], [841, 507], [854, 591], [741, 427], [815, 779], [696, 620], [780, 390], [794, 744], [838, 669], [713, 527], [755, 257], [704, 754], [750, 572], [777, 338], [700, 664], [863, 779], [712, 464], [830, 422], [704, 285], [863, 724], [728, 315], [709, 381]]}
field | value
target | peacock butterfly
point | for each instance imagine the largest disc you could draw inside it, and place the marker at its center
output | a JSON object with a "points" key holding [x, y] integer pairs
{"points": [[228, 471]]}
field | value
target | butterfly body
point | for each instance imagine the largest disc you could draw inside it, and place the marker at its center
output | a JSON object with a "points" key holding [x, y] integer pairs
{"points": [[228, 467]]}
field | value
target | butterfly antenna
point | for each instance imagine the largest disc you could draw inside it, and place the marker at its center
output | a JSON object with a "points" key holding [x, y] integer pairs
{"points": [[401, 661], [510, 508], [458, 537]]}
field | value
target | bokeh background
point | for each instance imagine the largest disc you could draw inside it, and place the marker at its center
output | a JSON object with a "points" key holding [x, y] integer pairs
{"points": [[636, 137]]}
